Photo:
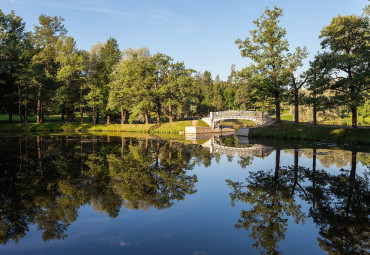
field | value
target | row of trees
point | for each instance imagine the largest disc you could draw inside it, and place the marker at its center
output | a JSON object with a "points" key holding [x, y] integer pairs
{"points": [[43, 72], [342, 70]]}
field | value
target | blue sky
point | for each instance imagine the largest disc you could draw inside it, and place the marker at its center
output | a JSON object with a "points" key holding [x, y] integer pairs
{"points": [[201, 33]]}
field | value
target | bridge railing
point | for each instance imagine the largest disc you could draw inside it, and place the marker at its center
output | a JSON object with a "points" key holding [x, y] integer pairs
{"points": [[236, 113]]}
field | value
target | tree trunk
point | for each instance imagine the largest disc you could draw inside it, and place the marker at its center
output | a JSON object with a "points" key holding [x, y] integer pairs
{"points": [[67, 112], [81, 108], [354, 116], [108, 119], [123, 115], [20, 104], [353, 99], [146, 117], [277, 107], [97, 118], [38, 110], [26, 107], [170, 113], [296, 108], [10, 111], [314, 107], [94, 115], [82, 114], [158, 117]]}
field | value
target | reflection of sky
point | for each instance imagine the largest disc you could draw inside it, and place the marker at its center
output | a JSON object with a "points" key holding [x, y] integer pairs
{"points": [[201, 224]]}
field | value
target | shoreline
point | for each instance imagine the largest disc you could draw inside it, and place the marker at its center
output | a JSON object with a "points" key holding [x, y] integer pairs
{"points": [[283, 131]]}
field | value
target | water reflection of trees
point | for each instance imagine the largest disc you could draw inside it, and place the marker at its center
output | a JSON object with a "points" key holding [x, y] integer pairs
{"points": [[45, 181], [339, 205]]}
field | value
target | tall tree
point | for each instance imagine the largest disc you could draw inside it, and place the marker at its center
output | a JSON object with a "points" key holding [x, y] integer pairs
{"points": [[71, 64], [318, 79], [94, 95], [294, 62], [130, 86], [45, 37], [14, 59], [173, 89], [267, 48], [109, 57], [347, 38]]}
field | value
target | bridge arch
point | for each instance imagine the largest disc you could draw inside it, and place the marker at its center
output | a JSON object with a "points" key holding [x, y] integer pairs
{"points": [[258, 117]]}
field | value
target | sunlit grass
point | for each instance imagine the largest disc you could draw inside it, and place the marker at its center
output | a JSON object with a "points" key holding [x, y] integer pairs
{"points": [[288, 130]]}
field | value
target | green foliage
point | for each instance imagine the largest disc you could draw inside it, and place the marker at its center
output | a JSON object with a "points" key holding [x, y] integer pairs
{"points": [[267, 48], [347, 38], [70, 75], [43, 73], [15, 51]]}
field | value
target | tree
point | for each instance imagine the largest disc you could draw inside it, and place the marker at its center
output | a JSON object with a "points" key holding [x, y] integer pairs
{"points": [[109, 57], [130, 86], [318, 79], [45, 38], [103, 58], [69, 74], [14, 60], [294, 62], [347, 37], [267, 48], [94, 95], [173, 89]]}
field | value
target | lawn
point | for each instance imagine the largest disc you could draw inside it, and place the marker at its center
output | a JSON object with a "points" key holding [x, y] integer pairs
{"points": [[289, 130]]}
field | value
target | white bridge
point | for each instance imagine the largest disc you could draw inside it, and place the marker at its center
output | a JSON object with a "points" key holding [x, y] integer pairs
{"points": [[215, 118]]}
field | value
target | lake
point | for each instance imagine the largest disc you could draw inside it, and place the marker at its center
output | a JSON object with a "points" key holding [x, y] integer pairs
{"points": [[199, 196]]}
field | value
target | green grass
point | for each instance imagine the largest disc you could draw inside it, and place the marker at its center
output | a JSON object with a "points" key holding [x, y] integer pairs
{"points": [[201, 123], [285, 116], [4, 118], [239, 123], [287, 130], [173, 128], [32, 127], [337, 121]]}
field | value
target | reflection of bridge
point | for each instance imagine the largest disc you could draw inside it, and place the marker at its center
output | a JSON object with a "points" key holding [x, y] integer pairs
{"points": [[215, 118], [257, 150]]}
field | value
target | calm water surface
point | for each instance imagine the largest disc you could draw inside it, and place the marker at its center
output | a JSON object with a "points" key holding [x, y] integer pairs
{"points": [[126, 195]]}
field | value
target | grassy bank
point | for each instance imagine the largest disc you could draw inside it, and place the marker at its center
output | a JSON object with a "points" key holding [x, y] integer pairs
{"points": [[173, 128], [54, 127], [287, 130]]}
